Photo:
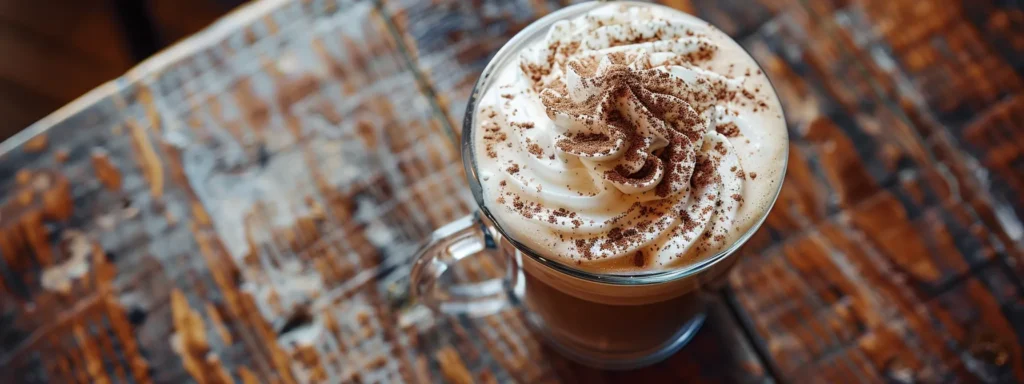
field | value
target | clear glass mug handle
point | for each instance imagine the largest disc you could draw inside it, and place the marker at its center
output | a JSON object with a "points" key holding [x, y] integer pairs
{"points": [[469, 236]]}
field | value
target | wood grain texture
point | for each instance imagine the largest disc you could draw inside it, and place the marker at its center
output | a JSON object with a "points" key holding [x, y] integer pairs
{"points": [[54, 51], [242, 207]]}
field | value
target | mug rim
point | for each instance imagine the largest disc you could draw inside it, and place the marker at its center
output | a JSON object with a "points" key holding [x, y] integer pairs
{"points": [[500, 59]]}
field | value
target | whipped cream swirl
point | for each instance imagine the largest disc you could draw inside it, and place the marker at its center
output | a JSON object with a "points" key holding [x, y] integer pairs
{"points": [[609, 144]]}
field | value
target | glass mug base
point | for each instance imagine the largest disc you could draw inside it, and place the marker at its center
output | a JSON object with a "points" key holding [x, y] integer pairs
{"points": [[620, 361], [587, 322], [600, 332]]}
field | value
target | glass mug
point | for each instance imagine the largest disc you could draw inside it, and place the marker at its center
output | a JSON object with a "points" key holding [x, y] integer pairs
{"points": [[609, 321]]}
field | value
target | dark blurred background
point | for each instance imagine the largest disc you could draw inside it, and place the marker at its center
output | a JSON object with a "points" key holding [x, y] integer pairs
{"points": [[52, 51]]}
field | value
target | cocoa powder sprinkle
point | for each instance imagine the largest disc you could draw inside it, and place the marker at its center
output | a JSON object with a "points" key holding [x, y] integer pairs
{"points": [[728, 129], [638, 259], [535, 149]]}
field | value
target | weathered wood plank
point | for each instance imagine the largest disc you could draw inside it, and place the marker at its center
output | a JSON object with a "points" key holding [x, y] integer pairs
{"points": [[452, 41], [865, 291], [264, 175]]}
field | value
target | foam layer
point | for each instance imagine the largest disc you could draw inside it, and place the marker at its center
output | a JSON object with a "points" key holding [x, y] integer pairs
{"points": [[634, 138]]}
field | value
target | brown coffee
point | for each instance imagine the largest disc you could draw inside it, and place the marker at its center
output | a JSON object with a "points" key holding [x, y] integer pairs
{"points": [[596, 320], [595, 326]]}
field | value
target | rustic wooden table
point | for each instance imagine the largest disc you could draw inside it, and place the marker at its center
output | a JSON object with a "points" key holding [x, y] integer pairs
{"points": [[242, 207]]}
